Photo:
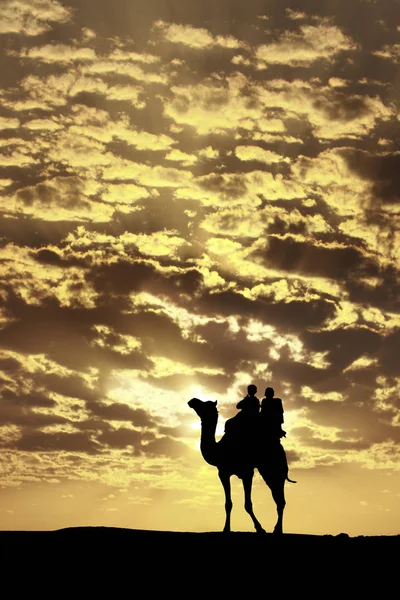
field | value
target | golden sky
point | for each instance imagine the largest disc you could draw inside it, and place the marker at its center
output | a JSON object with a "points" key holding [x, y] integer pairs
{"points": [[196, 196]]}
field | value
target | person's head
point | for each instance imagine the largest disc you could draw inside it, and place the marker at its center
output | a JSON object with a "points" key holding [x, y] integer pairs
{"points": [[269, 392], [252, 389]]}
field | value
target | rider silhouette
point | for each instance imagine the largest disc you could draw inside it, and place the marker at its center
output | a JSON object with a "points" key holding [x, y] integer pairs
{"points": [[272, 415], [250, 405], [241, 428], [253, 434]]}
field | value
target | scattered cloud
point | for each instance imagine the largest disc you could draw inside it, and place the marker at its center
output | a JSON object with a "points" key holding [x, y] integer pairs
{"points": [[197, 38], [302, 48], [185, 211], [32, 18]]}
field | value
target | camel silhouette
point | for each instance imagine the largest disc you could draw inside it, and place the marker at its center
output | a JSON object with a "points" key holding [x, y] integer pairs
{"points": [[270, 460]]}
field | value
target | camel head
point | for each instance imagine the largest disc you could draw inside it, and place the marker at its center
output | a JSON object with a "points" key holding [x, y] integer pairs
{"points": [[207, 409]]}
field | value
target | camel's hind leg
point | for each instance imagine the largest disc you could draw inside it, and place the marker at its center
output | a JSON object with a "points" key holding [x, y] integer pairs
{"points": [[248, 504], [277, 487], [278, 494], [226, 482]]}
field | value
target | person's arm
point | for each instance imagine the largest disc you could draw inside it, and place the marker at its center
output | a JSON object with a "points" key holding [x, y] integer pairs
{"points": [[280, 407], [281, 411], [241, 404]]}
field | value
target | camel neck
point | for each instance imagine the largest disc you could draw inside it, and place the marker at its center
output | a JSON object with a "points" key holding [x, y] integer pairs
{"points": [[208, 444], [208, 430]]}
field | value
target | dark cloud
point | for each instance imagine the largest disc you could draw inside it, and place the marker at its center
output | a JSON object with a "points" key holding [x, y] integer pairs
{"points": [[65, 334], [228, 189], [382, 170], [29, 400], [117, 411], [343, 345], [166, 446], [356, 414], [389, 354], [50, 257], [10, 365], [343, 107], [33, 232], [124, 437], [385, 294], [19, 409], [70, 386], [46, 196], [308, 258], [121, 278], [55, 442], [51, 329], [156, 214], [293, 316], [300, 374], [309, 437]]}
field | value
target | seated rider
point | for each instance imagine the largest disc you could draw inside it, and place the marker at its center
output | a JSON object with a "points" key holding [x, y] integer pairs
{"points": [[272, 415], [241, 427], [250, 405]]}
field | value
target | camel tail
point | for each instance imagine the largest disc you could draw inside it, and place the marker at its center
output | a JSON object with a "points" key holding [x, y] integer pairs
{"points": [[291, 480]]}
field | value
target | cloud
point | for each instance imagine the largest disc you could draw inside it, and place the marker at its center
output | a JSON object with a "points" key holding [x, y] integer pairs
{"points": [[381, 169], [55, 90], [123, 437], [60, 53], [56, 442], [330, 260], [302, 48], [361, 188], [177, 156], [330, 172], [126, 55], [194, 37], [227, 189], [390, 52], [97, 124], [258, 154], [9, 123], [160, 243], [166, 446], [42, 124], [218, 106], [146, 175], [241, 221], [17, 158], [125, 68], [293, 315], [123, 193], [32, 18], [332, 113], [119, 61], [62, 198], [213, 105], [117, 411], [164, 367]]}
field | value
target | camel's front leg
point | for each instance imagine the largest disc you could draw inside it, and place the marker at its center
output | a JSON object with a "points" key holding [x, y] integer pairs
{"points": [[226, 482], [248, 504], [278, 494]]}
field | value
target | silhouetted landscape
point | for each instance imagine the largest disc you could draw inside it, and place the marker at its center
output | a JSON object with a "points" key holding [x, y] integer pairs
{"points": [[112, 562], [204, 543]]}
